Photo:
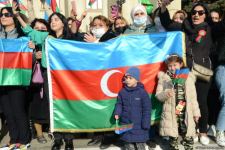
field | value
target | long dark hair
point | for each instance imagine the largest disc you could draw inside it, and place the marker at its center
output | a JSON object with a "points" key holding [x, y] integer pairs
{"points": [[16, 22], [205, 9], [66, 32], [41, 21]]}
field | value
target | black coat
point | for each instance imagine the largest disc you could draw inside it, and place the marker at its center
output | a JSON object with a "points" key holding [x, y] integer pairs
{"points": [[134, 106], [199, 52], [218, 32], [107, 36]]}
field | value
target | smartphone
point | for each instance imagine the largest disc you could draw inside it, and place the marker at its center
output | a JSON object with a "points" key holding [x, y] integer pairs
{"points": [[114, 11]]}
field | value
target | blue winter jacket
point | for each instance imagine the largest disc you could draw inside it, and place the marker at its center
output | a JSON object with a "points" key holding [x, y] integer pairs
{"points": [[134, 106]]}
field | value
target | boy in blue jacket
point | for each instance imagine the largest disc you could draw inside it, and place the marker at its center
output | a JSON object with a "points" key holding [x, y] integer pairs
{"points": [[134, 106]]}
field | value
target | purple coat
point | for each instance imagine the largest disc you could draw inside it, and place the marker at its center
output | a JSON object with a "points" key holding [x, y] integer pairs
{"points": [[134, 106]]}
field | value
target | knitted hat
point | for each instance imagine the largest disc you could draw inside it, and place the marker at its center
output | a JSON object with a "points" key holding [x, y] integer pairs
{"points": [[133, 72], [136, 8]]}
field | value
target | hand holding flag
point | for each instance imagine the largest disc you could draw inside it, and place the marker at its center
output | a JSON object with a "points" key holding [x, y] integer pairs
{"points": [[122, 128]]}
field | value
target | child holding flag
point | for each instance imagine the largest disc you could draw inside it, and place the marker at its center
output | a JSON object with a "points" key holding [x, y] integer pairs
{"points": [[134, 106], [176, 88]]}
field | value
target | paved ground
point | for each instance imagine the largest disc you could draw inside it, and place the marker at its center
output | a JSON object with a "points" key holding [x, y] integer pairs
{"points": [[81, 144]]}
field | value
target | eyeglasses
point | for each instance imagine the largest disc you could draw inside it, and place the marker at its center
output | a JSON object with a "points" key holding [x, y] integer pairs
{"points": [[6, 14], [200, 12]]}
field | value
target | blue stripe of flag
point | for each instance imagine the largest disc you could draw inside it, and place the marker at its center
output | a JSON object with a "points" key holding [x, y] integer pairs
{"points": [[182, 71], [48, 2], [15, 45], [129, 50]]}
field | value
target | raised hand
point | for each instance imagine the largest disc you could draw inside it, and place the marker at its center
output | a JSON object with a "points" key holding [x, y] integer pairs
{"points": [[31, 45], [90, 38], [15, 7], [165, 3], [72, 13]]}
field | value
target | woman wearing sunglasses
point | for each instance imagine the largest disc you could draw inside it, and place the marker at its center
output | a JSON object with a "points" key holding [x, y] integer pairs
{"points": [[198, 45], [12, 98]]}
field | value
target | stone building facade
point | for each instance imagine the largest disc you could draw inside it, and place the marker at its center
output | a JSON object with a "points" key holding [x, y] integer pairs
{"points": [[100, 7]]}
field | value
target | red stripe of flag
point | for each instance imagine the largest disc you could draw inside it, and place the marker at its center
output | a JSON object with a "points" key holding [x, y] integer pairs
{"points": [[183, 76], [67, 84], [53, 5], [23, 7], [15, 60]]}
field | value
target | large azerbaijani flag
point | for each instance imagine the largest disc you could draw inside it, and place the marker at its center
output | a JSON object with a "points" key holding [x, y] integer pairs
{"points": [[15, 62], [85, 78]]}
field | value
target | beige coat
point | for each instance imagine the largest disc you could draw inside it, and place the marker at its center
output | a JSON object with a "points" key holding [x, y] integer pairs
{"points": [[168, 123]]}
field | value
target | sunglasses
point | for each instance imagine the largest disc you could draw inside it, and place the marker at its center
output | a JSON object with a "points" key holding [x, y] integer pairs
{"points": [[200, 12], [6, 15]]}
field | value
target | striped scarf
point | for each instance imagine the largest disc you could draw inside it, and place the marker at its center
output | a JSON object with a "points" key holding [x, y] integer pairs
{"points": [[178, 80]]}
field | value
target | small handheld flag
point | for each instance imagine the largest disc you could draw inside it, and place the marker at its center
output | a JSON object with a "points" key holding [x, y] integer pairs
{"points": [[91, 2], [122, 128]]}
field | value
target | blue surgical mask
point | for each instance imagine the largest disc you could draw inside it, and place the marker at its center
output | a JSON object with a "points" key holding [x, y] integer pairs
{"points": [[139, 21]]}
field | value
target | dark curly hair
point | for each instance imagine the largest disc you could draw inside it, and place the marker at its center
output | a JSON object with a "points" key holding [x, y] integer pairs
{"points": [[40, 21]]}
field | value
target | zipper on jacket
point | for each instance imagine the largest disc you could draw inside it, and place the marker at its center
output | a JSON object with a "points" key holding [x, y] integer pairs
{"points": [[6, 35]]}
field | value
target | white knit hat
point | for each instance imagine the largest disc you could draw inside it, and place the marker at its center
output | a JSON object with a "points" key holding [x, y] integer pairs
{"points": [[136, 8]]}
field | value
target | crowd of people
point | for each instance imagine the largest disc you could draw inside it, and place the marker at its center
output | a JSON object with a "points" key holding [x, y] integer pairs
{"points": [[191, 105]]}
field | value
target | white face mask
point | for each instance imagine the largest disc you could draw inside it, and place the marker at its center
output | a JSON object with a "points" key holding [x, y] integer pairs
{"points": [[139, 21], [98, 32]]}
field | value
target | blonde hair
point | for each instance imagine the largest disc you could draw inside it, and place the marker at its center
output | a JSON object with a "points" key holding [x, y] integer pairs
{"points": [[103, 19], [180, 12]]}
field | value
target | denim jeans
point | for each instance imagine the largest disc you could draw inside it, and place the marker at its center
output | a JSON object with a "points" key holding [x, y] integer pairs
{"points": [[220, 81]]}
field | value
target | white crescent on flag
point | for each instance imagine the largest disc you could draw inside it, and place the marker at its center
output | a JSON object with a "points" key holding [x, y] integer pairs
{"points": [[104, 82]]}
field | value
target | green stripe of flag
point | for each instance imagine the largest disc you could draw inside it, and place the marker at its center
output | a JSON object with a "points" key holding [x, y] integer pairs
{"points": [[90, 115], [179, 81], [15, 77]]}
